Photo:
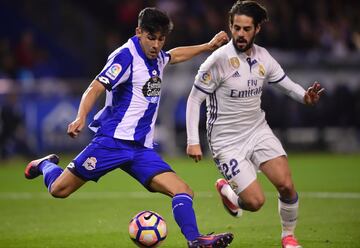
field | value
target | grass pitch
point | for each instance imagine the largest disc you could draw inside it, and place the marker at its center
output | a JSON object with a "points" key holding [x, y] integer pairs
{"points": [[97, 215]]}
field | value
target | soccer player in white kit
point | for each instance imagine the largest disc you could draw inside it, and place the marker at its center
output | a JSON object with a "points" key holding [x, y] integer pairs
{"points": [[231, 80]]}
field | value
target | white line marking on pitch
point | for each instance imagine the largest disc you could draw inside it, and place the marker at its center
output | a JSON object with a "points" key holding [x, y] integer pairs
{"points": [[145, 195]]}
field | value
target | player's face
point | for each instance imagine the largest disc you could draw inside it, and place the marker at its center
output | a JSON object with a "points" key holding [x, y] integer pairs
{"points": [[243, 32], [151, 43]]}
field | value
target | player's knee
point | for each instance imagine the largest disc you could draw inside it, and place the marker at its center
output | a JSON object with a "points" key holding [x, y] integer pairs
{"points": [[286, 188], [184, 188], [59, 192], [254, 204]]}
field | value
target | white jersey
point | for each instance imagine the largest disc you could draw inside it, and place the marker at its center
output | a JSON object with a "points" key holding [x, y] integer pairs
{"points": [[133, 84], [234, 83]]}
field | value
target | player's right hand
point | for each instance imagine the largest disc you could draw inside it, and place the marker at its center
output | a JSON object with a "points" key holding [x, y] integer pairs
{"points": [[75, 127], [194, 152]]}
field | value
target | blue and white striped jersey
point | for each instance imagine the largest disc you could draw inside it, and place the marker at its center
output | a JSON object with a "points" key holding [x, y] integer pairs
{"points": [[133, 87]]}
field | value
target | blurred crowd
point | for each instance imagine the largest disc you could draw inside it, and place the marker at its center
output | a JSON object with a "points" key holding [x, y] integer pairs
{"points": [[56, 39], [321, 26]]}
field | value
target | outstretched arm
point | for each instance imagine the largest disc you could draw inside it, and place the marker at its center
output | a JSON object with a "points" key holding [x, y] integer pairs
{"points": [[181, 54], [88, 100], [195, 99], [295, 91]]}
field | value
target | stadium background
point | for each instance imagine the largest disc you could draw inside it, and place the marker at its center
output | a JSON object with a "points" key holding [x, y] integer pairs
{"points": [[50, 50]]}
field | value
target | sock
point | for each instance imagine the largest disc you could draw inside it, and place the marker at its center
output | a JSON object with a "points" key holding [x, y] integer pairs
{"points": [[50, 171], [185, 216], [288, 211], [227, 191]]}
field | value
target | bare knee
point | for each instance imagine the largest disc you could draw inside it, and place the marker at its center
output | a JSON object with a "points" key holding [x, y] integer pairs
{"points": [[58, 192], [184, 188], [254, 204], [286, 189]]}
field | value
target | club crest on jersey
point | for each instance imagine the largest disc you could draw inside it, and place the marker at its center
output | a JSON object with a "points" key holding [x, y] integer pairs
{"points": [[235, 62], [205, 77], [152, 88], [113, 71], [261, 70], [90, 163]]}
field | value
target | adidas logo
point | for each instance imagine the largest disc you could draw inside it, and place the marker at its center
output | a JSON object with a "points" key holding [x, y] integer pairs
{"points": [[236, 74]]}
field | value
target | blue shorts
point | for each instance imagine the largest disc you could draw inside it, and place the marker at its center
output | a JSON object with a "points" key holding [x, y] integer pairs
{"points": [[105, 154]]}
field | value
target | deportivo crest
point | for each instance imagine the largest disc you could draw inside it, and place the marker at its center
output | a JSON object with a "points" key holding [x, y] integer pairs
{"points": [[235, 62], [261, 70], [152, 88], [113, 71], [205, 77], [90, 163]]}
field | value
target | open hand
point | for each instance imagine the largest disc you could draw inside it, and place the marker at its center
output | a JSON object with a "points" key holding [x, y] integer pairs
{"points": [[312, 95]]}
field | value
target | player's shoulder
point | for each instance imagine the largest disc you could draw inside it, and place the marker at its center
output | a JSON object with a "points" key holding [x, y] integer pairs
{"points": [[220, 56], [123, 53], [262, 52]]}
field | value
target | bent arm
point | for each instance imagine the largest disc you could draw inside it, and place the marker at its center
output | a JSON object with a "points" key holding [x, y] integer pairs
{"points": [[87, 102], [181, 54]]}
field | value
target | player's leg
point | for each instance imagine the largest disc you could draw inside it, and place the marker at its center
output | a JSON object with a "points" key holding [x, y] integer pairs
{"points": [[59, 183], [182, 200], [157, 176], [241, 189], [278, 172]]}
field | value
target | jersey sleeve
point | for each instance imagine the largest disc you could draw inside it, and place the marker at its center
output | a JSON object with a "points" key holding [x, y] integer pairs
{"points": [[165, 57], [116, 70], [210, 75], [275, 72]]}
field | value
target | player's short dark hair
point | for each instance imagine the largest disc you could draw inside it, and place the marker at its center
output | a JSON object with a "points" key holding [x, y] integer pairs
{"points": [[153, 20], [251, 9]]}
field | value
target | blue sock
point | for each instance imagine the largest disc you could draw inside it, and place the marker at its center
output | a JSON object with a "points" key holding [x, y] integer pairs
{"points": [[50, 171], [185, 216]]}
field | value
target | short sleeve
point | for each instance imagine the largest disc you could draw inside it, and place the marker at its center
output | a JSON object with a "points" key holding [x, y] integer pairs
{"points": [[116, 70]]}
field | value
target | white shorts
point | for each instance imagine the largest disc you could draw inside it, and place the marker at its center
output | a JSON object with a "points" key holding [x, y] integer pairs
{"points": [[239, 166]]}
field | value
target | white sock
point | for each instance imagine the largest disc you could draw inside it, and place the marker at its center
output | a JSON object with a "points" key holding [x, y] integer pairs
{"points": [[230, 194], [288, 216]]}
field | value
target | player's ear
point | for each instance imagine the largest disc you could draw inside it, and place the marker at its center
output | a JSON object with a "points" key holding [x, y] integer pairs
{"points": [[138, 31], [257, 29]]}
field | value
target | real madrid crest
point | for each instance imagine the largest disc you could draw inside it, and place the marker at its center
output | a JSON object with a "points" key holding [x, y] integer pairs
{"points": [[261, 70], [235, 62]]}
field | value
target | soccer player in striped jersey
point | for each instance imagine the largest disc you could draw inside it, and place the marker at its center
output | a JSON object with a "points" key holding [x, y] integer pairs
{"points": [[231, 80], [132, 79]]}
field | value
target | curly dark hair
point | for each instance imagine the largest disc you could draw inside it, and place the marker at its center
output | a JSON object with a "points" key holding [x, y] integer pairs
{"points": [[249, 8]]}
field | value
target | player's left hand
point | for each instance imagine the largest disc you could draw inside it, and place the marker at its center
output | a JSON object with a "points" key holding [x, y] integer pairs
{"points": [[312, 95], [218, 40]]}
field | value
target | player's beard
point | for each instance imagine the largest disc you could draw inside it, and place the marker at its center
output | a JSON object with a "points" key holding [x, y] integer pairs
{"points": [[245, 48]]}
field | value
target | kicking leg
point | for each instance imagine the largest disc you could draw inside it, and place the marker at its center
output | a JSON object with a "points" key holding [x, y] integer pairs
{"points": [[182, 200]]}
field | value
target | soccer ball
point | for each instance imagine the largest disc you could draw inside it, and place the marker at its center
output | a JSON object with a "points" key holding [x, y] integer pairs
{"points": [[147, 229]]}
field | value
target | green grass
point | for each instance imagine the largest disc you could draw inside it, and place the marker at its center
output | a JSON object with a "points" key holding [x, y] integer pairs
{"points": [[97, 215]]}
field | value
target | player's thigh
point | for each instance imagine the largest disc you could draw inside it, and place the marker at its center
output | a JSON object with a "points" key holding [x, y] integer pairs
{"points": [[239, 171], [170, 184], [100, 157], [278, 172], [147, 167], [66, 184]]}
